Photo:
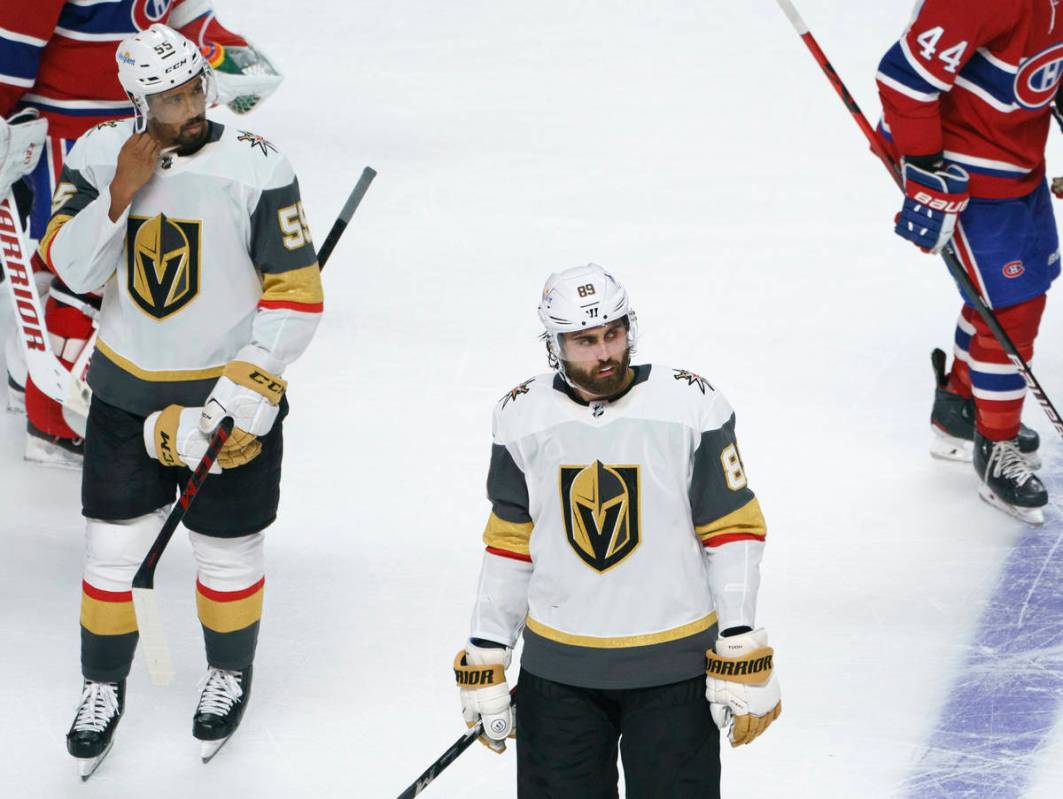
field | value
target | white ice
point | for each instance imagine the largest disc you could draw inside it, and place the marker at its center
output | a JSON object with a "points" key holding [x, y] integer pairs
{"points": [[696, 150]]}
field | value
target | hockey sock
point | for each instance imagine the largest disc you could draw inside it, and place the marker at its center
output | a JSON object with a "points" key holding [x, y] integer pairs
{"points": [[960, 376], [998, 387], [229, 593]]}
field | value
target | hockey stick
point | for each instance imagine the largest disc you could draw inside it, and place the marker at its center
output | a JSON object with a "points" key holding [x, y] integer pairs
{"points": [[349, 207], [47, 372], [956, 269], [449, 756], [152, 638]]}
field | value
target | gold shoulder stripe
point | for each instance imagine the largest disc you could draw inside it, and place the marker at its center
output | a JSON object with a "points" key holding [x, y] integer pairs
{"points": [[512, 536], [297, 285], [163, 376], [623, 641], [748, 519], [54, 224]]}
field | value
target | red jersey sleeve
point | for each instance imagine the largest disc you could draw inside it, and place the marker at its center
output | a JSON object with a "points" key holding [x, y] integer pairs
{"points": [[926, 61], [25, 28]]}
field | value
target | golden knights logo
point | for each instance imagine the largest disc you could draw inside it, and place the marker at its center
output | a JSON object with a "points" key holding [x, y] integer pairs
{"points": [[162, 263], [600, 506]]}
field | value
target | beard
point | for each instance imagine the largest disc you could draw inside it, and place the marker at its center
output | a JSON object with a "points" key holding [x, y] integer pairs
{"points": [[589, 381], [187, 143]]}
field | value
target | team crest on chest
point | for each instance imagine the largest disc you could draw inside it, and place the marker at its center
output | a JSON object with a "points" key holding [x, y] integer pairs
{"points": [[256, 141], [162, 263], [600, 505], [692, 379]]}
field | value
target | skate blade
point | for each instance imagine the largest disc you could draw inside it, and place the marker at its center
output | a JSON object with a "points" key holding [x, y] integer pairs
{"points": [[45, 454], [950, 448], [1032, 516], [208, 749], [88, 765]]}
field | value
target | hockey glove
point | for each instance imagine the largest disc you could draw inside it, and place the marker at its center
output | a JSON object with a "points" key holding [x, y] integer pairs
{"points": [[251, 396], [244, 75], [741, 687], [933, 202], [172, 436], [481, 676], [22, 137]]}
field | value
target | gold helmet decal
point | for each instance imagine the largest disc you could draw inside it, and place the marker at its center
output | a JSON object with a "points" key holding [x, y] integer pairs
{"points": [[162, 256], [600, 505]]}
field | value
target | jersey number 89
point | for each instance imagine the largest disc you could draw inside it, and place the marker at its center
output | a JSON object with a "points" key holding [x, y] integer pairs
{"points": [[732, 468]]}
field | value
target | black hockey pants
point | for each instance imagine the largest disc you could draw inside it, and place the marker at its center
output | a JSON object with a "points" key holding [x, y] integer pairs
{"points": [[567, 741]]}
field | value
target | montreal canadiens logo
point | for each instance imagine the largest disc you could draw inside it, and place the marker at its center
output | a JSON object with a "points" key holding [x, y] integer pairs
{"points": [[145, 12], [1013, 269], [1038, 77]]}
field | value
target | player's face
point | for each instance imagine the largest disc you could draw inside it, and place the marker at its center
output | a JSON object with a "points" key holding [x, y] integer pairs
{"points": [[178, 116], [597, 360]]}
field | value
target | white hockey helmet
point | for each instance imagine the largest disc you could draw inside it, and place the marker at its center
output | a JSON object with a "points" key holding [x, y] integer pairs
{"points": [[582, 298], [156, 60]]}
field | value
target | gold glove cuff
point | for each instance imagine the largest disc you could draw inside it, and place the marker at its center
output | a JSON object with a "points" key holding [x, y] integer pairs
{"points": [[258, 380], [474, 677], [750, 669], [166, 436]]}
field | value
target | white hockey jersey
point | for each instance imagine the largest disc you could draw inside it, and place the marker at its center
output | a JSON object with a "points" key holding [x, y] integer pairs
{"points": [[618, 530], [212, 262]]}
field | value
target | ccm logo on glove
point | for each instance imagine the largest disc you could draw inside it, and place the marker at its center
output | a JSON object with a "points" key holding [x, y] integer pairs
{"points": [[268, 382]]}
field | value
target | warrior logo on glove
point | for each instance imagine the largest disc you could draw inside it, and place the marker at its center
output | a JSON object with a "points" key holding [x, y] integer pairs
{"points": [[163, 263], [600, 506]]}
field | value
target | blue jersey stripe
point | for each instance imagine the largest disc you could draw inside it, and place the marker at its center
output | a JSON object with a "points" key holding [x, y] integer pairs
{"points": [[18, 59], [894, 65], [114, 113], [103, 17], [997, 82]]}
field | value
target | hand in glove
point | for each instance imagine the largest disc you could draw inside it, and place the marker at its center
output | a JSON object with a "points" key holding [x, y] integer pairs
{"points": [[22, 137], [251, 396], [172, 436], [481, 676], [741, 687], [933, 200]]}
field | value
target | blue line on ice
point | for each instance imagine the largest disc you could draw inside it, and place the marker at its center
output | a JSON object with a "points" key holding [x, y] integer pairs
{"points": [[1006, 699]]}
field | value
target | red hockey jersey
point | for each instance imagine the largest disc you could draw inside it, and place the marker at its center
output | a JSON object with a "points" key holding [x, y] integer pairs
{"points": [[58, 55], [975, 79]]}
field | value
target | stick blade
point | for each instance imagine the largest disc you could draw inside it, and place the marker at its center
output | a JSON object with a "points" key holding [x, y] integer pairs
{"points": [[152, 638]]}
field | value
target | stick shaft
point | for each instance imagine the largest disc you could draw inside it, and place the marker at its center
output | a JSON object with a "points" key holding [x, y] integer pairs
{"points": [[349, 207]]}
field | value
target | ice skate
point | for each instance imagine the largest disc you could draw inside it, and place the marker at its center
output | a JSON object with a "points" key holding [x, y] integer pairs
{"points": [[46, 450], [91, 735], [1007, 482], [16, 396], [952, 423], [222, 701]]}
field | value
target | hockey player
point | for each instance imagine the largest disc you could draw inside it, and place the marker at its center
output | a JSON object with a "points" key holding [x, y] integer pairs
{"points": [[197, 235], [56, 56], [622, 537], [966, 95]]}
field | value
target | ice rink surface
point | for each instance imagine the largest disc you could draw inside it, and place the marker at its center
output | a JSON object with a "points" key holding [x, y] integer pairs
{"points": [[695, 150]]}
